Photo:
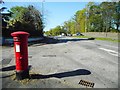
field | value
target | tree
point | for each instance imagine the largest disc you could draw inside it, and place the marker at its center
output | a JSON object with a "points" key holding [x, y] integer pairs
{"points": [[88, 14], [2, 8], [96, 17], [26, 19], [37, 17], [70, 26], [108, 15], [116, 16], [80, 17], [58, 30], [101, 17], [5, 16]]}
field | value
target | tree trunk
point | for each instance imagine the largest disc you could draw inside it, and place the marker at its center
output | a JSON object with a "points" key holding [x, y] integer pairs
{"points": [[117, 26]]}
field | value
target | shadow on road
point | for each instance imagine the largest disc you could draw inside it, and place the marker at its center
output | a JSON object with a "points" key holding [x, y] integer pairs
{"points": [[62, 75], [56, 75], [44, 41], [81, 39], [10, 68], [56, 41], [51, 40]]}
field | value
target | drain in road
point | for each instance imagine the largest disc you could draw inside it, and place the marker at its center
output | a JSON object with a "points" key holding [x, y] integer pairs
{"points": [[86, 83]]}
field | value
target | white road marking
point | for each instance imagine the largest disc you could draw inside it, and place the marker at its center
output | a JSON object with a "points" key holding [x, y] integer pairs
{"points": [[108, 50], [112, 52]]}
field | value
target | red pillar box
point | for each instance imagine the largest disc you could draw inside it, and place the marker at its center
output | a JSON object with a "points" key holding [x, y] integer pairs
{"points": [[21, 54]]}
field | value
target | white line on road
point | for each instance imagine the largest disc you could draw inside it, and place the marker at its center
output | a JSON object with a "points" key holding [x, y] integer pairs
{"points": [[110, 51], [114, 54]]}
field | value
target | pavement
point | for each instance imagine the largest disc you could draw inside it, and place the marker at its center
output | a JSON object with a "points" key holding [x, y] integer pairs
{"points": [[64, 63]]}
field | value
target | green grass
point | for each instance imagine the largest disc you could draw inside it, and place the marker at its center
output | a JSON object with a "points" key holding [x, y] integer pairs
{"points": [[107, 39], [99, 38], [82, 36]]}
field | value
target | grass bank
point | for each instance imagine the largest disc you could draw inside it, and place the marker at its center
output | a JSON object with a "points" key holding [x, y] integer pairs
{"points": [[100, 38]]}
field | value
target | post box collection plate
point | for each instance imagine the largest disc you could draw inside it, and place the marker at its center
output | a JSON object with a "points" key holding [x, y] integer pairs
{"points": [[17, 48]]}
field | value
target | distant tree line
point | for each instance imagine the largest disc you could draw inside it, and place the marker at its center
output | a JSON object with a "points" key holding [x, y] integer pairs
{"points": [[95, 17], [21, 18]]}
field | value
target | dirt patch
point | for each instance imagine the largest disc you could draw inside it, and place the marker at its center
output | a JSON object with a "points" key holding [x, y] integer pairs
{"points": [[25, 81]]}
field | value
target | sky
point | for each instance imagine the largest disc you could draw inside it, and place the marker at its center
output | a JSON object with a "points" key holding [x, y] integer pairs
{"points": [[55, 13], [59, 0]]}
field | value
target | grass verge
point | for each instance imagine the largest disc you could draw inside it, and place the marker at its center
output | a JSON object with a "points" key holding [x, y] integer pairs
{"points": [[100, 38]]}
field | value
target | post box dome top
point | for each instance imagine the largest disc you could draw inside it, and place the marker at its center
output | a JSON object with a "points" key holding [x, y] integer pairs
{"points": [[18, 33]]}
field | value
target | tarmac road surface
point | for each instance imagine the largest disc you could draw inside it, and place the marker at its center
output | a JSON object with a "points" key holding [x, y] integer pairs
{"points": [[64, 64]]}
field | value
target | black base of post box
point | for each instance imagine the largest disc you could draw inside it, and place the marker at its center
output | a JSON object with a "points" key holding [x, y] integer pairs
{"points": [[22, 75]]}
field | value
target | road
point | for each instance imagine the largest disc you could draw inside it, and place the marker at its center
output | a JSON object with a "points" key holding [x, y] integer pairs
{"points": [[65, 63]]}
